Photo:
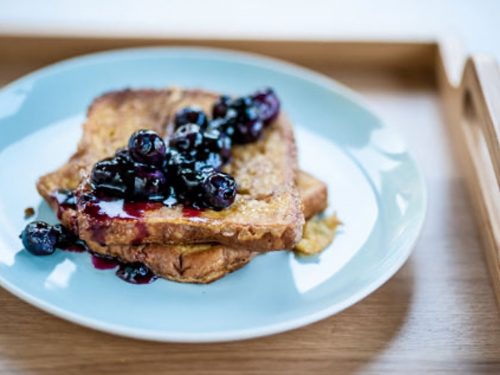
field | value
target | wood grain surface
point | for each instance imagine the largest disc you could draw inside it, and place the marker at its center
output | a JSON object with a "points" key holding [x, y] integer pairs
{"points": [[437, 314]]}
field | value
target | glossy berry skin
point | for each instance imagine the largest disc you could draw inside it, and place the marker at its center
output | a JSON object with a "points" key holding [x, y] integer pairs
{"points": [[242, 123], [248, 131], [148, 184], [191, 115], [189, 187], [268, 105], [195, 159], [219, 190], [39, 238], [124, 157], [176, 160], [64, 236], [242, 103], [221, 106], [225, 125], [247, 127], [211, 160], [187, 138], [135, 273], [147, 147], [216, 141], [109, 177]]}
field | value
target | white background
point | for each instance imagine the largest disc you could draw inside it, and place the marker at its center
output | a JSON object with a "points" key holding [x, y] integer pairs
{"points": [[475, 23]]}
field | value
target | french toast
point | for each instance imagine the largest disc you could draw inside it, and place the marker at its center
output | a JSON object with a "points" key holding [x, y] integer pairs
{"points": [[266, 214], [204, 263], [197, 263]]}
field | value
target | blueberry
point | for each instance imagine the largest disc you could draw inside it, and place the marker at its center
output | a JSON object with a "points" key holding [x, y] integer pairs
{"points": [[220, 107], [64, 237], [189, 186], [246, 127], [122, 176], [187, 138], [219, 190], [123, 156], [176, 160], [39, 238], [109, 176], [268, 105], [191, 115], [247, 131], [241, 123], [148, 184], [225, 125], [196, 160], [211, 160], [242, 103], [146, 146], [135, 273], [216, 141]]}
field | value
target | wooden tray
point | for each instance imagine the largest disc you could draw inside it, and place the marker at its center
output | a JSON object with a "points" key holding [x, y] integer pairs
{"points": [[437, 314]]}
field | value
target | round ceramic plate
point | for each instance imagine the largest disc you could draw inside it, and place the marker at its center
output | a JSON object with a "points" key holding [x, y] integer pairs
{"points": [[374, 184]]}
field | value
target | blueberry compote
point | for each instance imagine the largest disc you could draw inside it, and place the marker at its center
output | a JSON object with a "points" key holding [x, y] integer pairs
{"points": [[187, 167], [152, 172], [104, 262]]}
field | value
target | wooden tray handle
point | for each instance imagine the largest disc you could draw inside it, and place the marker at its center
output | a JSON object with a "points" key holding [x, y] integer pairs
{"points": [[480, 124], [481, 103]]}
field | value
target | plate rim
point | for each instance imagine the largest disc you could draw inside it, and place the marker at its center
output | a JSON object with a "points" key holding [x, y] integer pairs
{"points": [[238, 334]]}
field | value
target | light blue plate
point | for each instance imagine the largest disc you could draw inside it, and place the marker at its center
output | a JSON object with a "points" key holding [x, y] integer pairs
{"points": [[374, 185]]}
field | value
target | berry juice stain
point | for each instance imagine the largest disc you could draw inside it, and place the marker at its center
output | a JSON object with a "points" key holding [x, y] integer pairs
{"points": [[75, 247], [102, 210], [134, 273], [191, 212], [137, 209], [102, 262], [141, 233], [105, 208]]}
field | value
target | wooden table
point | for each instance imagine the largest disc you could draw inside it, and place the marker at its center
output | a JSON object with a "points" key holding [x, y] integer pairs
{"points": [[438, 313]]}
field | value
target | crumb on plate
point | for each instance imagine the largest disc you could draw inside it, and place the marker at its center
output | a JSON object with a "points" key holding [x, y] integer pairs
{"points": [[318, 234], [29, 212]]}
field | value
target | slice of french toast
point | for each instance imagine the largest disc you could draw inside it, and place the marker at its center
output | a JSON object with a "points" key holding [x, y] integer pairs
{"points": [[197, 263], [266, 214], [204, 263]]}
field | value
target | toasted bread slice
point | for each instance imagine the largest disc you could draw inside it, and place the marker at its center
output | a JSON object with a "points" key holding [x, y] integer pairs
{"points": [[112, 118], [199, 263], [204, 263], [266, 214], [313, 194]]}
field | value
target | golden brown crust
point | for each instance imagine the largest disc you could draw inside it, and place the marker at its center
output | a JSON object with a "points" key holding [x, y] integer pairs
{"points": [[111, 117], [313, 193], [202, 263]]}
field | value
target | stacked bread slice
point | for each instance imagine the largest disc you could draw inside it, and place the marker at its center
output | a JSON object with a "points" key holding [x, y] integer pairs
{"points": [[272, 200]]}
